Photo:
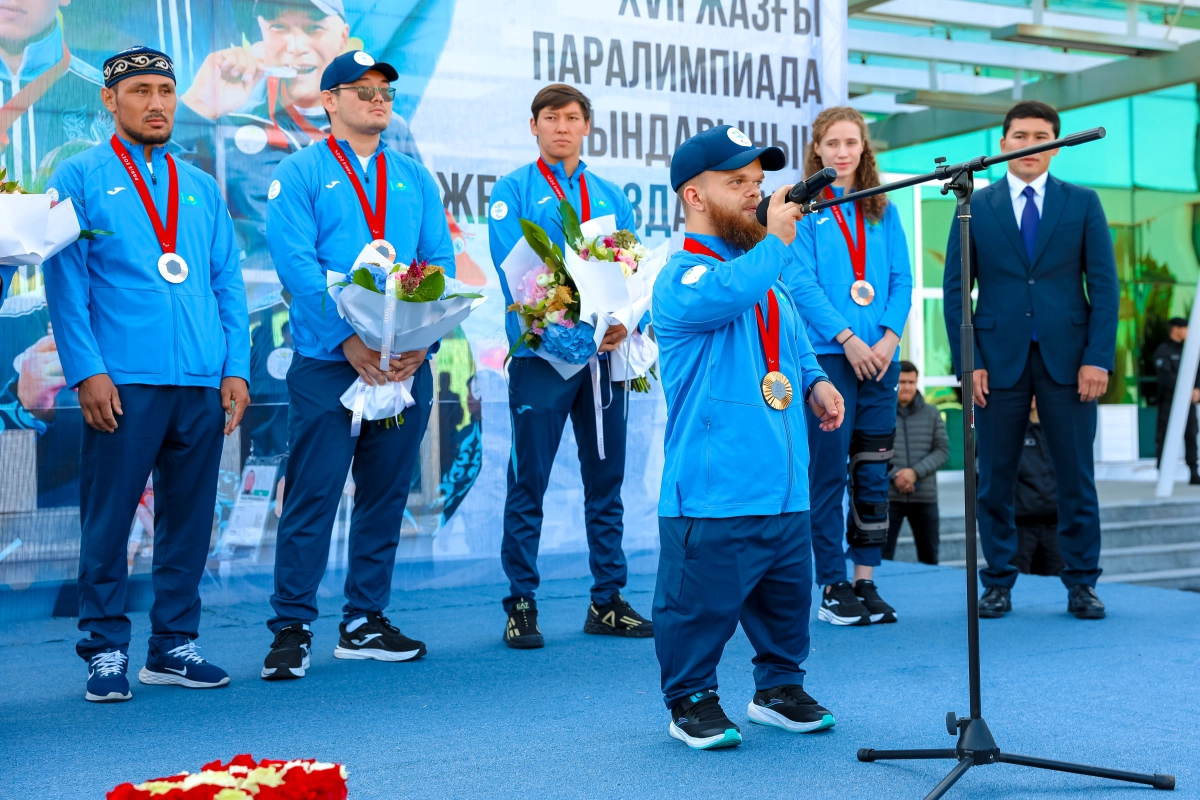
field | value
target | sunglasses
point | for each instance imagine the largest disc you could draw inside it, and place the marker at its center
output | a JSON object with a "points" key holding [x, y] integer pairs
{"points": [[367, 93]]}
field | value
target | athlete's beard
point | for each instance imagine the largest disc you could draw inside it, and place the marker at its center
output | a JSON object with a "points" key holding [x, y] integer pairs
{"points": [[733, 226]]}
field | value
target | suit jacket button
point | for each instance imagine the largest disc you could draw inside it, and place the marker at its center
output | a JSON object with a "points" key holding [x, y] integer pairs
{"points": [[1031, 281], [1029, 313]]}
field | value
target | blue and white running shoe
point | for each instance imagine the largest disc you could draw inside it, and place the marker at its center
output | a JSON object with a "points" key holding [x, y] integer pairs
{"points": [[182, 666], [107, 682]]}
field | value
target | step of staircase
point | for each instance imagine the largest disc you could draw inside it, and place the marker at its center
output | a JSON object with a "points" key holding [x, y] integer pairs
{"points": [[1147, 543]]}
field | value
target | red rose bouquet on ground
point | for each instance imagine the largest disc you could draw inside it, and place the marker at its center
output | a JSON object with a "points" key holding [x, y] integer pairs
{"points": [[243, 778]]}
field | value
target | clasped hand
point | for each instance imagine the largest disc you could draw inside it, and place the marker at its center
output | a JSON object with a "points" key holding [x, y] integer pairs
{"points": [[366, 362], [873, 361]]}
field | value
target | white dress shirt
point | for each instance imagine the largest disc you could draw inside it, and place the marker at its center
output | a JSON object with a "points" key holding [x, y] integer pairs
{"points": [[1015, 188]]}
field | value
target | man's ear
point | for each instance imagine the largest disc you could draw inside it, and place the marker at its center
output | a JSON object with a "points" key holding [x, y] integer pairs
{"points": [[109, 98], [328, 102], [692, 197]]}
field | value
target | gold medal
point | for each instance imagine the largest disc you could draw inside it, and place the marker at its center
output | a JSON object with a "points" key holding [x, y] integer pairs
{"points": [[862, 293], [777, 390], [385, 249], [172, 267]]}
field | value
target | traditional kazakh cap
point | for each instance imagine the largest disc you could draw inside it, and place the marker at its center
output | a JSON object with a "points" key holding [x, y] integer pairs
{"points": [[137, 61]]}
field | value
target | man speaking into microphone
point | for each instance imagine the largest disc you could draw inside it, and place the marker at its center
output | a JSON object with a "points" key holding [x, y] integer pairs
{"points": [[733, 509]]}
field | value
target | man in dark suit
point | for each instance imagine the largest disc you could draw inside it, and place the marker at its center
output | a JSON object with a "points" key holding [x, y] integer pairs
{"points": [[1036, 242]]}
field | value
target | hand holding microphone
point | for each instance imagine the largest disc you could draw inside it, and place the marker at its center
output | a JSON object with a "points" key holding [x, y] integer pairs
{"points": [[801, 193]]}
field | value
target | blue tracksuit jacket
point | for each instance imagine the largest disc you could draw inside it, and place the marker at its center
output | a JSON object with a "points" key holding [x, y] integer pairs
{"points": [[728, 454], [525, 194], [315, 224], [821, 274], [111, 309]]}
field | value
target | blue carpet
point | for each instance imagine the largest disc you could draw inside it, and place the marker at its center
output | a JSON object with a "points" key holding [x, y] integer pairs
{"points": [[584, 718]]}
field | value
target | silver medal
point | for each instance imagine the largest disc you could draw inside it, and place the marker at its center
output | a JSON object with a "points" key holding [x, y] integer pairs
{"points": [[172, 267]]}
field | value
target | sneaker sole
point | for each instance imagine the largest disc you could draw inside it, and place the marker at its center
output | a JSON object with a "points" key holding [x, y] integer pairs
{"points": [[1088, 614], [765, 716], [170, 679], [993, 614], [372, 654], [882, 619], [730, 738], [111, 697], [284, 672], [826, 615], [600, 629], [531, 642]]}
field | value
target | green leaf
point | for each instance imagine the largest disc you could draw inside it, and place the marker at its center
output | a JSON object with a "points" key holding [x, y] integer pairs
{"points": [[570, 222], [537, 238], [431, 288], [468, 295], [363, 277], [92, 234]]}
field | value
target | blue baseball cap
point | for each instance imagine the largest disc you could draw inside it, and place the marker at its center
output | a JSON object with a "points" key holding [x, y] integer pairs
{"points": [[721, 149], [349, 67]]}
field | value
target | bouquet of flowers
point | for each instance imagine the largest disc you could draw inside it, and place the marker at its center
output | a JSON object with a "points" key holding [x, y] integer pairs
{"points": [[567, 301], [394, 309], [34, 227], [243, 778]]}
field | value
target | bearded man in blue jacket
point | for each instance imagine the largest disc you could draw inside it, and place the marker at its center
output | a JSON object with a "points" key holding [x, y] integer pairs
{"points": [[151, 326], [734, 508]]}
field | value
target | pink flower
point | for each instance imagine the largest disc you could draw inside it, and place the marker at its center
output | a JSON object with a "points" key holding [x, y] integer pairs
{"points": [[585, 254], [533, 293], [566, 323], [610, 242], [536, 328], [627, 259]]}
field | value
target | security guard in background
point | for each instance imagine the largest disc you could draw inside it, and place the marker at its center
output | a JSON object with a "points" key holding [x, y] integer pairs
{"points": [[325, 203], [151, 326], [738, 371], [540, 400], [1166, 370]]}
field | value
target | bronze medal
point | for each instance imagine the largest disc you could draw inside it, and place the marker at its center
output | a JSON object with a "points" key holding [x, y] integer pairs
{"points": [[862, 293], [385, 249], [777, 390]]}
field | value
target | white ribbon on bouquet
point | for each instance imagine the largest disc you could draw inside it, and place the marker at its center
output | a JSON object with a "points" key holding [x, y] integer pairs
{"points": [[389, 325], [31, 231]]}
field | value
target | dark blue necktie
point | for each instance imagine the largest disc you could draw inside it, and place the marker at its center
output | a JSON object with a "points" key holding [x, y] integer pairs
{"points": [[1030, 219]]}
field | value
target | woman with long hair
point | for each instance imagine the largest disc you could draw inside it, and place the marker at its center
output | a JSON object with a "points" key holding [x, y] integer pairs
{"points": [[851, 278]]}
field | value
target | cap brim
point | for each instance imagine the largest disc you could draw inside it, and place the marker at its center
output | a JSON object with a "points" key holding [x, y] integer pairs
{"points": [[770, 158]]}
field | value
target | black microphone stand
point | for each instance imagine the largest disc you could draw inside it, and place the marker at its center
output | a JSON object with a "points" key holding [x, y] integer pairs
{"points": [[976, 747]]}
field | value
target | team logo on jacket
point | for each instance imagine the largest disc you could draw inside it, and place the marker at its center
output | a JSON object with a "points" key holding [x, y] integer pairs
{"points": [[694, 274], [739, 138], [190, 199], [499, 210], [273, 192], [52, 193]]}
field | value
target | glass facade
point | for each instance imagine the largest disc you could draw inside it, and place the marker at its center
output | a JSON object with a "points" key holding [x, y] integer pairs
{"points": [[1145, 171]]}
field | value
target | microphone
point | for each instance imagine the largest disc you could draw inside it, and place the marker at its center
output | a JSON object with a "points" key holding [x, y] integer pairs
{"points": [[803, 192]]}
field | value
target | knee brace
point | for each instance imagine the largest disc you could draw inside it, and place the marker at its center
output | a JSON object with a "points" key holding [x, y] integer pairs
{"points": [[867, 525]]}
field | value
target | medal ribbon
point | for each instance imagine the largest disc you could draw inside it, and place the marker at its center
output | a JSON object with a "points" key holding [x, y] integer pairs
{"points": [[166, 234], [858, 253], [29, 95], [377, 219], [277, 90], [769, 334], [586, 213]]}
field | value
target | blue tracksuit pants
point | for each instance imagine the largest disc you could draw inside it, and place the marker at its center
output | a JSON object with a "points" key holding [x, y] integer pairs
{"points": [[322, 451], [871, 408], [714, 573], [540, 402], [176, 432]]}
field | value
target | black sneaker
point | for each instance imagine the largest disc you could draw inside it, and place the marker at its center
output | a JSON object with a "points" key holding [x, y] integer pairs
{"points": [[699, 722], [1084, 603], [789, 707], [995, 603], [840, 606], [289, 653], [377, 639], [522, 631], [868, 595], [617, 618]]}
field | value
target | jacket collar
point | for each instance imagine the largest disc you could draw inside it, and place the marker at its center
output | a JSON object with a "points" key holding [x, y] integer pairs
{"points": [[918, 402], [717, 245], [560, 172], [39, 56], [157, 155]]}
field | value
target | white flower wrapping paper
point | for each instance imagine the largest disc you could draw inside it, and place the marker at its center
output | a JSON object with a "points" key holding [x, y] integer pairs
{"points": [[417, 327], [31, 231], [606, 297]]}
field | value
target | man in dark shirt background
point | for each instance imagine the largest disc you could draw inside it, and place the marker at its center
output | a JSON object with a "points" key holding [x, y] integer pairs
{"points": [[1166, 368], [1036, 505]]}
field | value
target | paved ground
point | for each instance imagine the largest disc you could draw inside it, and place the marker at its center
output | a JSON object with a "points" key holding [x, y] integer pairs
{"points": [[583, 717]]}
